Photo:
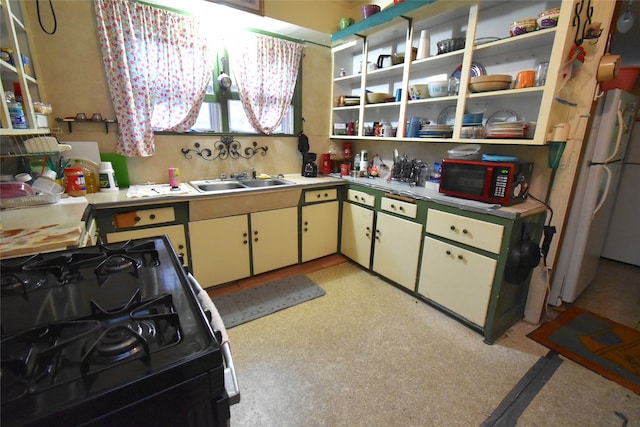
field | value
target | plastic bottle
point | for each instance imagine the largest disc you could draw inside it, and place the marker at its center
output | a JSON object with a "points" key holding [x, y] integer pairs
{"points": [[91, 173], [108, 182], [16, 114], [75, 183]]}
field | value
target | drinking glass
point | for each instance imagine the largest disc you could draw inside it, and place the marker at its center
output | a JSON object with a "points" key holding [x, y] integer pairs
{"points": [[541, 73]]}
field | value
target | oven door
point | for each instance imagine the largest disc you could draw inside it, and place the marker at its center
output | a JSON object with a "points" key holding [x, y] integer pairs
{"points": [[211, 312]]}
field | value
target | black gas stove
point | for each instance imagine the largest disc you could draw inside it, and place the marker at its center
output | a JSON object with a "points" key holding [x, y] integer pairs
{"points": [[107, 335]]}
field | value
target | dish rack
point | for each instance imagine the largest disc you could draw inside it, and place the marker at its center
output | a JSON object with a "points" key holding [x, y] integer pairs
{"points": [[38, 199]]}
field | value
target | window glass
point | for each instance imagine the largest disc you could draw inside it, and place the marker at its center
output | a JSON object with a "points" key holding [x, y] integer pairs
{"points": [[222, 110]]}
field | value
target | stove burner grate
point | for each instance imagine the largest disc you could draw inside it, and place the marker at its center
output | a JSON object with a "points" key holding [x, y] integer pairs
{"points": [[47, 356]]}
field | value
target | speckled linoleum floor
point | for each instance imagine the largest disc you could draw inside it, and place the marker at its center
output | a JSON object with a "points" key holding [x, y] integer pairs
{"points": [[369, 354]]}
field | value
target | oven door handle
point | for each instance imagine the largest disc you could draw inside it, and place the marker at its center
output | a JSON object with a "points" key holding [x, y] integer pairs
{"points": [[230, 378]]}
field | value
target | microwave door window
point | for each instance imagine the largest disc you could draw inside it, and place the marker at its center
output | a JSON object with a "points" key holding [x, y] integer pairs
{"points": [[467, 179]]}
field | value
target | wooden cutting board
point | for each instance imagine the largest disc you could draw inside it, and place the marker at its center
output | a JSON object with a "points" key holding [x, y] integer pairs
{"points": [[46, 238]]}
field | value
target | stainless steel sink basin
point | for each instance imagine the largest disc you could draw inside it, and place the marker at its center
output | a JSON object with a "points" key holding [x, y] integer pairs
{"points": [[237, 185], [269, 182], [210, 186]]}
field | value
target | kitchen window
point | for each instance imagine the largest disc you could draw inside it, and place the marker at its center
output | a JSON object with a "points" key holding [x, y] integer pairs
{"points": [[222, 110]]}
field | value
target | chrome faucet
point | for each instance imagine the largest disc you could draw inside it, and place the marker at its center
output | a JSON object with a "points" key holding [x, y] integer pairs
{"points": [[245, 174]]}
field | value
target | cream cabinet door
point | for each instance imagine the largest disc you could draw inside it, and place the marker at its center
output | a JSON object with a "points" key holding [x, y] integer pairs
{"points": [[357, 229], [274, 239], [220, 249], [175, 233], [457, 279], [397, 249], [319, 230]]}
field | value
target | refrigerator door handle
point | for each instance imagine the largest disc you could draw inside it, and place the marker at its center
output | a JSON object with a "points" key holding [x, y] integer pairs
{"points": [[605, 193], [622, 129]]}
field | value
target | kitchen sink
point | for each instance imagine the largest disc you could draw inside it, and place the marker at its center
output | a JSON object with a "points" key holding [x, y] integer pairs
{"points": [[234, 185], [270, 182], [209, 186]]}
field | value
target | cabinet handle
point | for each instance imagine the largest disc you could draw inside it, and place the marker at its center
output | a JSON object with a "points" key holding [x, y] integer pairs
{"points": [[460, 257], [245, 241], [152, 216], [255, 240], [448, 252], [326, 194], [401, 208], [356, 197], [319, 195], [392, 206], [368, 228], [244, 234], [255, 232], [137, 219], [453, 228], [305, 229], [306, 223], [180, 246], [464, 231]]}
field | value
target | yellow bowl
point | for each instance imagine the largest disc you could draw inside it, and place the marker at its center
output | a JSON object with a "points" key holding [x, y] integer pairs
{"points": [[488, 86], [377, 97]]}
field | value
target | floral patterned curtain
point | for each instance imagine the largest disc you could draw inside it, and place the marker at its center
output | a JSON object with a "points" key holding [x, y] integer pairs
{"points": [[158, 65], [265, 71]]}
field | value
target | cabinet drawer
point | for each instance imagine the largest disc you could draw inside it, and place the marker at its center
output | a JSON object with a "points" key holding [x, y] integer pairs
{"points": [[175, 233], [144, 217], [361, 197], [320, 195], [472, 232], [399, 207]]}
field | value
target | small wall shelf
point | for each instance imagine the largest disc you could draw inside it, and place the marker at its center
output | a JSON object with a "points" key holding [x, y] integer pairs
{"points": [[70, 121]]}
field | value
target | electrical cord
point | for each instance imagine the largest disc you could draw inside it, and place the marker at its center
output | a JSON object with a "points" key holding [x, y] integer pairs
{"points": [[548, 230], [53, 13]]}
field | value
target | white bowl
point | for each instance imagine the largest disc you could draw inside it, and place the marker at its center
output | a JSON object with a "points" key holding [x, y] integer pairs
{"points": [[418, 91], [439, 88]]}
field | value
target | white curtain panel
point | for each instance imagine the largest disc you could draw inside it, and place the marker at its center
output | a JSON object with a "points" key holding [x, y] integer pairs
{"points": [[265, 71]]}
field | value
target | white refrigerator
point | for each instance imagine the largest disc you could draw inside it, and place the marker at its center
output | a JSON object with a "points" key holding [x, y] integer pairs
{"points": [[592, 206], [623, 236]]}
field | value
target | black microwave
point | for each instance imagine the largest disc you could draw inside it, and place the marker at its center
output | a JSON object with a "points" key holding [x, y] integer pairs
{"points": [[490, 182]]}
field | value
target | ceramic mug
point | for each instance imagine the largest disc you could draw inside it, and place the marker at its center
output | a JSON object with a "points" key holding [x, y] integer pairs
{"points": [[525, 78], [345, 22]]}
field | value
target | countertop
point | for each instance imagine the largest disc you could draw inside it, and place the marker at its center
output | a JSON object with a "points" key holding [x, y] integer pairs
{"points": [[187, 193], [69, 211], [528, 207], [525, 208]]}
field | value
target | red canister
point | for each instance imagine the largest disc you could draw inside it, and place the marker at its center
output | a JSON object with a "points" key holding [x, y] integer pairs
{"points": [[325, 164], [346, 151]]}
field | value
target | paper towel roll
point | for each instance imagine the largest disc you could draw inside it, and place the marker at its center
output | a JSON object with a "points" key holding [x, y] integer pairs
{"points": [[608, 68], [424, 45]]}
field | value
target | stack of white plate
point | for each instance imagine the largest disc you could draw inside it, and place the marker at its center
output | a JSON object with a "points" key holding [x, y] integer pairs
{"points": [[512, 129], [436, 131]]}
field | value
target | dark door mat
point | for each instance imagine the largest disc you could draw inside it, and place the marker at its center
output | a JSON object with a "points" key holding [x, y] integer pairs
{"points": [[252, 303], [600, 344]]}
